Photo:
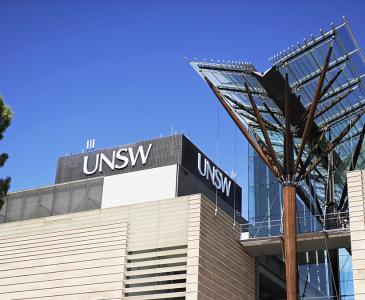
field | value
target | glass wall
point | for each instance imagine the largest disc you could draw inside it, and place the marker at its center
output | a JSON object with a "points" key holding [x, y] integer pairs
{"points": [[266, 213], [265, 202], [53, 200], [346, 275], [315, 276]]}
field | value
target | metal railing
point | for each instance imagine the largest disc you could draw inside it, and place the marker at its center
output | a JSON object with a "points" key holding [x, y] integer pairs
{"points": [[52, 200], [273, 225]]}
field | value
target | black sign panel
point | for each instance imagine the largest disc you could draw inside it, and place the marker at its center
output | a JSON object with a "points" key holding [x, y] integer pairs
{"points": [[121, 159], [209, 174]]}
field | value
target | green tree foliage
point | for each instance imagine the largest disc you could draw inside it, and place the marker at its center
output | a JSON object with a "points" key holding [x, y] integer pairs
{"points": [[5, 119]]}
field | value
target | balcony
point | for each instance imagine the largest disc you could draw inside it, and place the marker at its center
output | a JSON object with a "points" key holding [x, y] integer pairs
{"points": [[266, 237]]}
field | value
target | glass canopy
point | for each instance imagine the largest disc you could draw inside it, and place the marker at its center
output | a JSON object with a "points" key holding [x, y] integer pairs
{"points": [[338, 122]]}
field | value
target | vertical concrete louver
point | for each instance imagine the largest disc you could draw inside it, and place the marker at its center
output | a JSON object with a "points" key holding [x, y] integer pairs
{"points": [[356, 194]]}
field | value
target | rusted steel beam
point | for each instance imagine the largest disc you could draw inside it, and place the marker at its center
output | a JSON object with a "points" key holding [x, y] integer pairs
{"points": [[265, 150], [333, 144], [242, 106], [272, 114], [297, 104], [343, 88], [346, 130], [343, 115], [288, 140], [247, 116], [263, 130], [251, 112], [305, 199], [355, 158], [328, 86], [313, 107], [333, 103], [290, 241], [311, 154], [303, 194], [256, 126], [312, 77], [349, 138], [241, 127], [263, 147]]}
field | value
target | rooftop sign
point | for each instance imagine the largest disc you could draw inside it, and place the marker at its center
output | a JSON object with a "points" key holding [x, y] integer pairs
{"points": [[173, 150]]}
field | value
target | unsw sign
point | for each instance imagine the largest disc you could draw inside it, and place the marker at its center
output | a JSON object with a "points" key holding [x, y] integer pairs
{"points": [[195, 172], [119, 159], [124, 157], [214, 175]]}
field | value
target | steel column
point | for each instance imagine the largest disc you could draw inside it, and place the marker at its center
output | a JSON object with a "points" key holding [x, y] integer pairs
{"points": [[290, 240]]}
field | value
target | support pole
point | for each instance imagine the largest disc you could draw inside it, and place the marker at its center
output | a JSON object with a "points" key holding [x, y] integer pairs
{"points": [[290, 240]]}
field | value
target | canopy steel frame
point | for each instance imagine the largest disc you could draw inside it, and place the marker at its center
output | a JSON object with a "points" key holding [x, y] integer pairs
{"points": [[307, 143]]}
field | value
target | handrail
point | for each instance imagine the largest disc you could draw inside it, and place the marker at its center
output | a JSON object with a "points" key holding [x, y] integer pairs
{"points": [[272, 226]]}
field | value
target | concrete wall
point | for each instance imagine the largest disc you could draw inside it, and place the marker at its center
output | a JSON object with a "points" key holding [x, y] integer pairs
{"points": [[164, 249], [95, 254], [356, 185], [218, 267]]}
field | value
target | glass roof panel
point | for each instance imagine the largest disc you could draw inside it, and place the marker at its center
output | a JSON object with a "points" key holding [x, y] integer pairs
{"points": [[342, 97]]}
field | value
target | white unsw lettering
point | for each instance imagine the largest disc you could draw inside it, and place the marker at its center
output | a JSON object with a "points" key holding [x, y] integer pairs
{"points": [[139, 151], [214, 175], [104, 158], [117, 156]]}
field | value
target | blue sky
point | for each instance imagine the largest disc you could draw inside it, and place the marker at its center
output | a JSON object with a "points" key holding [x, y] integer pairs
{"points": [[117, 71]]}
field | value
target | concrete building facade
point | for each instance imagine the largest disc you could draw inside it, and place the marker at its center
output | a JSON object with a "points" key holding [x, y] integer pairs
{"points": [[356, 192], [151, 220], [179, 248], [160, 228]]}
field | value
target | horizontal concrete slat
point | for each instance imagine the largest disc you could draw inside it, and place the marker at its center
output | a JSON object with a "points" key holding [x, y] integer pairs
{"points": [[157, 262], [65, 249], [45, 234], [158, 296], [157, 253], [155, 287], [63, 260], [98, 287], [156, 270], [60, 241], [155, 279], [79, 281], [110, 295], [44, 277], [63, 267]]}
